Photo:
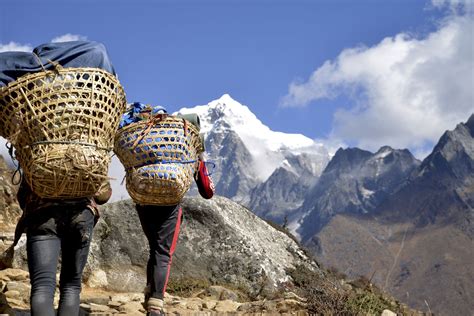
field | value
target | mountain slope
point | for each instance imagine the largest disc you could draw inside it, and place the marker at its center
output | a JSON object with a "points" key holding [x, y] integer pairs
{"points": [[284, 191], [417, 242], [354, 182], [442, 189]]}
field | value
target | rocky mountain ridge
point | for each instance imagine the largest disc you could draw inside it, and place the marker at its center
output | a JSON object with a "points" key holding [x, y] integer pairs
{"points": [[354, 182], [416, 242]]}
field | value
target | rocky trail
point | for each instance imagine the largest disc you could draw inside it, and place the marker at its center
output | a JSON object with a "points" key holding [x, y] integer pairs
{"points": [[15, 287]]}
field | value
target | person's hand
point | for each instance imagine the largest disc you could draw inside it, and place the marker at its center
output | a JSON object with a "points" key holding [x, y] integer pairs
{"points": [[104, 193]]}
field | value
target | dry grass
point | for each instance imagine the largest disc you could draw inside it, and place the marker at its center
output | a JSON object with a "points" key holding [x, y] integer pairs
{"points": [[186, 287], [327, 296]]}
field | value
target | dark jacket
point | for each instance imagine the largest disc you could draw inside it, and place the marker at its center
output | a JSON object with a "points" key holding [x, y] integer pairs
{"points": [[31, 203]]}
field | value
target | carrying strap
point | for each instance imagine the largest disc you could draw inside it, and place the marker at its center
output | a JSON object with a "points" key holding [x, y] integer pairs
{"points": [[149, 125]]}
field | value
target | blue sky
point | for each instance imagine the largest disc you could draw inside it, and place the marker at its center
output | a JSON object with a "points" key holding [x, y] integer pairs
{"points": [[294, 63]]}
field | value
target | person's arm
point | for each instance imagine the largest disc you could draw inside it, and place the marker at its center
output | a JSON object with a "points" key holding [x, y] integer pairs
{"points": [[22, 194], [204, 181]]}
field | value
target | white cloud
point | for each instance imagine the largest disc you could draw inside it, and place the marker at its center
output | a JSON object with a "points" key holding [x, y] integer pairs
{"points": [[68, 38], [456, 6], [406, 91], [15, 47]]}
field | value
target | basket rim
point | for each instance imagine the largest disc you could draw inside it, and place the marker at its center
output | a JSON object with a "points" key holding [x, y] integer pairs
{"points": [[58, 70], [135, 125]]}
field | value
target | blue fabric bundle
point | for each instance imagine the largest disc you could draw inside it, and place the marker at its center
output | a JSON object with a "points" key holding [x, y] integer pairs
{"points": [[136, 110], [74, 54]]}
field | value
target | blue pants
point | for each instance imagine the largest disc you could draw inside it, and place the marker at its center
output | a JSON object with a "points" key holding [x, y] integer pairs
{"points": [[68, 231]]}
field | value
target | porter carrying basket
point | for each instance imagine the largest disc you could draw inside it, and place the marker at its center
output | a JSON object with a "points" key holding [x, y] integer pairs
{"points": [[160, 156], [62, 124]]}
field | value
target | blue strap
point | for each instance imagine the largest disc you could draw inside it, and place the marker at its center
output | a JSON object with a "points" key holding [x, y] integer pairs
{"points": [[164, 162]]}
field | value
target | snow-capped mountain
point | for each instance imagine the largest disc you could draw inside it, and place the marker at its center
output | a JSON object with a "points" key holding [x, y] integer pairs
{"points": [[246, 151], [355, 182]]}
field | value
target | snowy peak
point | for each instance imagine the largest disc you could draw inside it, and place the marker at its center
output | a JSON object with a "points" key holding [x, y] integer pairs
{"points": [[226, 106], [226, 112], [267, 148], [383, 152], [223, 112]]}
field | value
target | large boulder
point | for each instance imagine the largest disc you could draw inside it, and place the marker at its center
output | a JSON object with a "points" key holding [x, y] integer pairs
{"points": [[220, 242]]}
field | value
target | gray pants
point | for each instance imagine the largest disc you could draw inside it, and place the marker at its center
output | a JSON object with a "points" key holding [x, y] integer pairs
{"points": [[161, 227]]}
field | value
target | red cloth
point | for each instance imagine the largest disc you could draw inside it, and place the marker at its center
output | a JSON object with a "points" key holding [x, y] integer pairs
{"points": [[204, 182]]}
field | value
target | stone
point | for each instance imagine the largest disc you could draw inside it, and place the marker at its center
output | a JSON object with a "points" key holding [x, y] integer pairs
{"points": [[209, 305], [221, 241], [19, 286], [220, 293], [91, 307], [270, 306], [293, 296], [132, 313], [121, 298], [137, 297], [132, 307], [95, 298], [244, 307], [226, 306], [15, 302], [194, 305], [12, 294], [114, 304], [14, 275], [97, 279], [387, 312], [127, 297], [178, 304], [290, 305]]}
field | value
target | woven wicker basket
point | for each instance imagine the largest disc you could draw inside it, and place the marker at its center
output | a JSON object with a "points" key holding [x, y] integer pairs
{"points": [[160, 158], [62, 124]]}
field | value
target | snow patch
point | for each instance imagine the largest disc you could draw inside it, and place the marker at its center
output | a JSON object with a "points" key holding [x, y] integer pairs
{"points": [[384, 152], [366, 193]]}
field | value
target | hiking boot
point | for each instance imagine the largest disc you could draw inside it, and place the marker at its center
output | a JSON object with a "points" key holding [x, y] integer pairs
{"points": [[155, 307], [155, 312]]}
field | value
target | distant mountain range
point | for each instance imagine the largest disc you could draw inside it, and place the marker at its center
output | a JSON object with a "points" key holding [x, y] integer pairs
{"points": [[416, 241], [405, 223]]}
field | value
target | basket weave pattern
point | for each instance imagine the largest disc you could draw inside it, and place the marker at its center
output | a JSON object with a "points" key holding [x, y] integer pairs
{"points": [[62, 124], [160, 158]]}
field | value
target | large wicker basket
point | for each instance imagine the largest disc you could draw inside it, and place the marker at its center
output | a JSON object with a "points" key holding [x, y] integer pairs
{"points": [[62, 124], [160, 158]]}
